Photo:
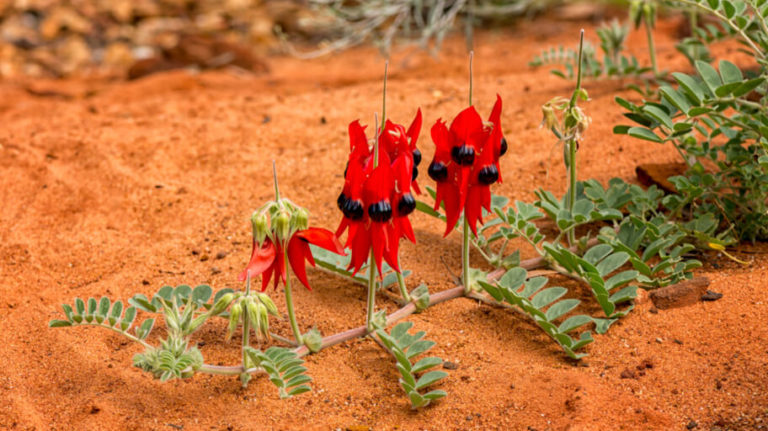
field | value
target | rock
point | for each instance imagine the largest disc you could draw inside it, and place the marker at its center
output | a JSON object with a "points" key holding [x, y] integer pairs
{"points": [[448, 365], [628, 374], [691, 425], [681, 294], [711, 296], [118, 54]]}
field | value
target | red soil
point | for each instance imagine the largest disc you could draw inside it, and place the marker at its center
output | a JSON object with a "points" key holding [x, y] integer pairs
{"points": [[109, 188]]}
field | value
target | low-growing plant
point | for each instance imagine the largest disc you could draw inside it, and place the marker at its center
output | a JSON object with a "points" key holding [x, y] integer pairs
{"points": [[717, 120], [610, 240]]}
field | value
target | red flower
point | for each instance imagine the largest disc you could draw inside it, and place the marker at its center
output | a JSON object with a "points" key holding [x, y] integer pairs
{"points": [[376, 202], [466, 163], [268, 259]]}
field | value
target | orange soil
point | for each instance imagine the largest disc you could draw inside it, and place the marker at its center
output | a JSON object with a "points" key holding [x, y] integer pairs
{"points": [[110, 188]]}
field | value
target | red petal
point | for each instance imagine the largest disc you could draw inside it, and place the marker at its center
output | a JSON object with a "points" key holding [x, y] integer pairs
{"points": [[361, 249], [379, 185], [322, 238], [261, 260], [467, 123], [404, 229], [378, 242], [443, 142], [473, 209], [392, 246], [414, 129], [298, 249]]}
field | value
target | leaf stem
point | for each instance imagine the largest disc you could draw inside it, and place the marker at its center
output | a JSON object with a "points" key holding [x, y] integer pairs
{"points": [[401, 284], [651, 46], [371, 302], [471, 57], [384, 97], [465, 257], [289, 301], [274, 177], [572, 144]]}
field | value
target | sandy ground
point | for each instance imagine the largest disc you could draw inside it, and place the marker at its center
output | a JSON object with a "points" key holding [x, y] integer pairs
{"points": [[115, 188]]}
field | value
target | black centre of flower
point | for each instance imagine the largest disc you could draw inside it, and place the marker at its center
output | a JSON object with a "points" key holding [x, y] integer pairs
{"points": [[406, 205], [416, 157], [438, 171], [488, 175], [463, 155], [503, 146], [353, 209], [415, 173], [341, 201], [380, 211]]}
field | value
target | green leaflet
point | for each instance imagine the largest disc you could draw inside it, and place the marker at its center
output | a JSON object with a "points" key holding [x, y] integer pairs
{"points": [[413, 376]]}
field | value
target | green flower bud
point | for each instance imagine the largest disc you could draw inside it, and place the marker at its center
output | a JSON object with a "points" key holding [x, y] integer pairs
{"points": [[263, 319], [260, 224], [222, 304], [234, 317], [300, 219], [281, 225], [253, 315], [267, 301], [199, 320]]}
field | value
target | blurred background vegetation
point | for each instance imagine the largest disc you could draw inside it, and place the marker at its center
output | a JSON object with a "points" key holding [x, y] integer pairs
{"points": [[132, 38]]}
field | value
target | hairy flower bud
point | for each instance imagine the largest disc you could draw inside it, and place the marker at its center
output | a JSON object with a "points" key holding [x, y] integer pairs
{"points": [[267, 301], [550, 118], [281, 225], [222, 303], [260, 224], [234, 317], [300, 219], [263, 316]]}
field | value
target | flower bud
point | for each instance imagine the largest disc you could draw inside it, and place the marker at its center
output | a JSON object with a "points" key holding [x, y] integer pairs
{"points": [[300, 219], [222, 303], [263, 317], [199, 320], [234, 317], [260, 224], [281, 225], [550, 118], [253, 315], [267, 301]]}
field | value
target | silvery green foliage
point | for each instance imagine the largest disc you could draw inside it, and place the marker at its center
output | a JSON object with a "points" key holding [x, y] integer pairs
{"points": [[414, 376], [174, 359], [613, 64], [715, 118], [545, 306], [284, 367], [105, 314]]}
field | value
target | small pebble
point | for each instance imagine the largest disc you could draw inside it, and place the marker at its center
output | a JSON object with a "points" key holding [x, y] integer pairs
{"points": [[448, 365], [711, 296], [691, 425]]}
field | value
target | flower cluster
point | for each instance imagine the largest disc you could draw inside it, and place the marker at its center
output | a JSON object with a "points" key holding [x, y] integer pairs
{"points": [[466, 163], [287, 237], [377, 196]]}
